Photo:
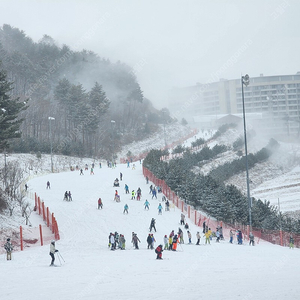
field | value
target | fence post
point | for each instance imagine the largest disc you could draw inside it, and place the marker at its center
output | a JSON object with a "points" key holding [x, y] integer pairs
{"points": [[35, 200], [41, 235], [43, 210], [189, 211], [39, 205], [53, 220], [47, 216], [281, 241], [21, 237]]}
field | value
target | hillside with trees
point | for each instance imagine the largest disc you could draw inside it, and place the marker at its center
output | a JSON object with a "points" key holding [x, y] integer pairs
{"points": [[80, 91]]}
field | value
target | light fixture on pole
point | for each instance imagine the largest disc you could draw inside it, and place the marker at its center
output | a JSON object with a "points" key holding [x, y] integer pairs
{"points": [[113, 142], [245, 81], [50, 119]]}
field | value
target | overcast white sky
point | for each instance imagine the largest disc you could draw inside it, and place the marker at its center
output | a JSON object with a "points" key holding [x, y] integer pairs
{"points": [[171, 43]]}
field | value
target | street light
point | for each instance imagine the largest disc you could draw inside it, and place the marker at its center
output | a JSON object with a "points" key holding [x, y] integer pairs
{"points": [[245, 81], [113, 142], [50, 119]]}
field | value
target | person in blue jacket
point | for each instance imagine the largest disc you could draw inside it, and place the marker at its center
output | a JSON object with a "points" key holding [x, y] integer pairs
{"points": [[160, 209]]}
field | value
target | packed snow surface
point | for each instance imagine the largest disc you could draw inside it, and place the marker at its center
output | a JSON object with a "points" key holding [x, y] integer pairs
{"points": [[91, 271]]}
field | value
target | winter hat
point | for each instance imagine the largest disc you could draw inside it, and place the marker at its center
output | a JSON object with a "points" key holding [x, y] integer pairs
{"points": [[8, 239], [165, 235]]}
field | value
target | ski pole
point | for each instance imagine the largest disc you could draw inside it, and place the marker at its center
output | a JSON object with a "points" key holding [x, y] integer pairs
{"points": [[61, 256]]}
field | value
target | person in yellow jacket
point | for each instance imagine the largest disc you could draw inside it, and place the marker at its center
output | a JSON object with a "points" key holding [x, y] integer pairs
{"points": [[207, 235]]}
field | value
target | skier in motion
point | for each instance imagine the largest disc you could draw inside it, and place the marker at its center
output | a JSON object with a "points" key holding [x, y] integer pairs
{"points": [[52, 252], [152, 225]]}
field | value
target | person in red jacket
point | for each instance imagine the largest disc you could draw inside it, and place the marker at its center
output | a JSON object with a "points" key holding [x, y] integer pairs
{"points": [[159, 251]]}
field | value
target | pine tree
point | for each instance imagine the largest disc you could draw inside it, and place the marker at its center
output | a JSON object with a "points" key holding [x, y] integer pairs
{"points": [[9, 111]]}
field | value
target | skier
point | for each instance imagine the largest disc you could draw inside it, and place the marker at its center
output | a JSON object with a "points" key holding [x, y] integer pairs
{"points": [[180, 236], [149, 241], [126, 189], [132, 195], [153, 241], [125, 209], [52, 252], [121, 176], [166, 242], [190, 237], [150, 189], [198, 238], [81, 172], [159, 251], [70, 196], [127, 163], [139, 194], [221, 233], [66, 196], [204, 227], [159, 209], [175, 240], [231, 236], [8, 248], [207, 236], [147, 180], [170, 242], [218, 236], [291, 242], [48, 185], [135, 241], [154, 193], [152, 225], [182, 217], [240, 237], [167, 205], [147, 204], [100, 204], [116, 236], [112, 241], [251, 236], [122, 242], [100, 165], [92, 171]]}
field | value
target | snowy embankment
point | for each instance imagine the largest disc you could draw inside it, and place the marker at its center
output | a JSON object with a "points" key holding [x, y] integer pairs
{"points": [[91, 271]]}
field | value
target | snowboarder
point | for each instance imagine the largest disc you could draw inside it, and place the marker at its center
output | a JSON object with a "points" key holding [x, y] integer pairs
{"points": [[8, 248], [100, 204], [52, 252], [135, 241], [125, 209], [147, 204], [159, 209], [159, 251], [198, 238], [126, 189], [251, 236], [152, 225], [48, 185]]}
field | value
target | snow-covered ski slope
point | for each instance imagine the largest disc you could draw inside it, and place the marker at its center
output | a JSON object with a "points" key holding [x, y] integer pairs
{"points": [[92, 271]]}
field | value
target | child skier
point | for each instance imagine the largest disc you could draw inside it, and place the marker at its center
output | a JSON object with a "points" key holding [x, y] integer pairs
{"points": [[126, 189], [159, 209], [125, 209], [159, 251], [190, 237], [9, 248], [52, 252], [132, 195], [147, 204], [122, 242], [100, 204]]}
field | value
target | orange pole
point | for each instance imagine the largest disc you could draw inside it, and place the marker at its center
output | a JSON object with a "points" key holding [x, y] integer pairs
{"points": [[21, 237], [39, 205], [53, 221], [189, 211], [41, 235]]}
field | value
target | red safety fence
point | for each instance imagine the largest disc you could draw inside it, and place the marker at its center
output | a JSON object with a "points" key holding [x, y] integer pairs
{"points": [[47, 216], [273, 236]]}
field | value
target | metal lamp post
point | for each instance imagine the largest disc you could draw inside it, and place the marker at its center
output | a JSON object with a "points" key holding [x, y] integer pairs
{"points": [[245, 80], [113, 142], [50, 119]]}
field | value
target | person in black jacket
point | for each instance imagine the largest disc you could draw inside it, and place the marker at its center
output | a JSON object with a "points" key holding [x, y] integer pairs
{"points": [[152, 225], [9, 248], [149, 241]]}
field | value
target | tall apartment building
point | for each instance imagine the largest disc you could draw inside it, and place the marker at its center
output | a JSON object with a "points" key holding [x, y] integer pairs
{"points": [[272, 101]]}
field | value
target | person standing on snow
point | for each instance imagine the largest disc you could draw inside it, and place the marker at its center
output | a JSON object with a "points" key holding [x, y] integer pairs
{"points": [[125, 209], [180, 236], [126, 189], [121, 176], [218, 236], [159, 251], [198, 238], [81, 172], [207, 236], [154, 193], [175, 240], [147, 204], [166, 242], [112, 241], [190, 237], [152, 225], [132, 195], [122, 242], [149, 241], [8, 248], [100, 204], [231, 236], [52, 252], [159, 209], [48, 185], [135, 241], [251, 236], [291, 242], [182, 217], [150, 192]]}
